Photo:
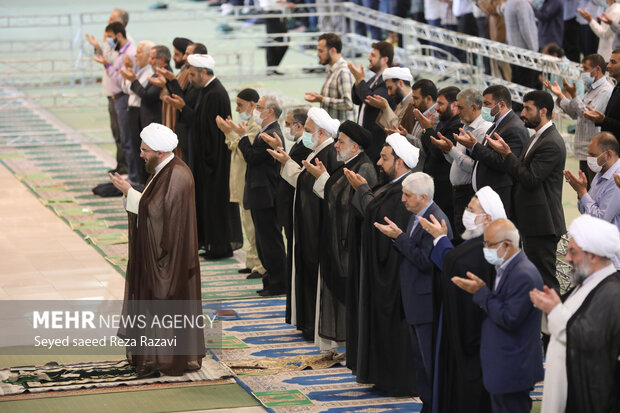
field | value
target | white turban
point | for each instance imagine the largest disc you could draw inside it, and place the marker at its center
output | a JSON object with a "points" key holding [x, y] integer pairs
{"points": [[399, 73], [491, 203], [403, 149], [595, 236], [159, 137], [201, 60], [323, 121]]}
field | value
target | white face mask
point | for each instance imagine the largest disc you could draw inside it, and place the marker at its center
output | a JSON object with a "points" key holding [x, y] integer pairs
{"points": [[593, 164], [469, 220], [245, 116], [257, 116], [288, 134]]}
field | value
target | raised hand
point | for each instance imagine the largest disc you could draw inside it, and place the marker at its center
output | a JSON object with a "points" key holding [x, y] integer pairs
{"points": [[472, 285], [434, 227], [377, 101], [391, 229], [425, 122], [498, 145], [315, 170], [545, 300], [356, 180], [442, 143], [580, 185], [467, 139], [279, 155]]}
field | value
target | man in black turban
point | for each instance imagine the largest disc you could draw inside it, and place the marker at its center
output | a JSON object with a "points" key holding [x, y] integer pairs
{"points": [[180, 44], [339, 257]]}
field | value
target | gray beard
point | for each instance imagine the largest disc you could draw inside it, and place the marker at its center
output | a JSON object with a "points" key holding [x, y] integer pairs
{"points": [[579, 274], [343, 156], [472, 233]]}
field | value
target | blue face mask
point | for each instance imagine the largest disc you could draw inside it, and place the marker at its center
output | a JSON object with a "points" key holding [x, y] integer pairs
{"points": [[244, 116], [486, 114], [587, 79], [492, 258], [537, 4], [306, 139], [111, 42]]}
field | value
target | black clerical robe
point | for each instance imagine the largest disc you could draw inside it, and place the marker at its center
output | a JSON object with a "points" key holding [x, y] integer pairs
{"points": [[592, 349], [163, 266], [219, 223], [384, 352], [335, 246], [284, 211], [307, 221], [458, 370], [183, 130]]}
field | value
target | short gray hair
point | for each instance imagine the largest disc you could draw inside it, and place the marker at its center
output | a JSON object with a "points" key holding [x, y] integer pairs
{"points": [[471, 96], [299, 115], [123, 15], [420, 184], [272, 102], [162, 52]]}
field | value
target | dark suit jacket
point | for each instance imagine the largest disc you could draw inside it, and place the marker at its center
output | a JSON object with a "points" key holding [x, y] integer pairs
{"points": [[511, 347], [416, 269], [611, 123], [490, 170], [537, 191], [358, 95], [436, 164], [150, 106], [263, 172]]}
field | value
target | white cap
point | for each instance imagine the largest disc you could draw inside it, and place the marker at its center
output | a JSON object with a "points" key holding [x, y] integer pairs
{"points": [[159, 137], [201, 60], [595, 236], [323, 121], [491, 203], [399, 73], [403, 149]]}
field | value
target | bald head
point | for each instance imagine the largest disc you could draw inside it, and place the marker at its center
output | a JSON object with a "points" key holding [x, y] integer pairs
{"points": [[502, 235]]}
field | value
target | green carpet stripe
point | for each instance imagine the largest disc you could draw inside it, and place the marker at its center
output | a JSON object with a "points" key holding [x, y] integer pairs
{"points": [[145, 401]]}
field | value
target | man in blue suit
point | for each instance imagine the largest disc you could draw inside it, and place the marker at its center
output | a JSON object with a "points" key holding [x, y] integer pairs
{"points": [[511, 346], [416, 274]]}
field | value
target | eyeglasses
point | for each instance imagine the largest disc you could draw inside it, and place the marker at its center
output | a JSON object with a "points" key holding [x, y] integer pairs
{"points": [[487, 244]]}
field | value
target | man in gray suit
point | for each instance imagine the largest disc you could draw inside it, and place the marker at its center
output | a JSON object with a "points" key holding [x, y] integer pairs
{"points": [[537, 191], [489, 167]]}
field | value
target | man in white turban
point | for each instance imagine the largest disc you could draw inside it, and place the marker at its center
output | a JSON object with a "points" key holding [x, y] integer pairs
{"points": [[458, 346], [582, 367], [163, 253], [319, 132], [384, 353], [219, 221], [398, 82]]}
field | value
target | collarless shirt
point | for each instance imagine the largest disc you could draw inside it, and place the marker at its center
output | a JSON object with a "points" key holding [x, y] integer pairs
{"points": [[537, 135]]}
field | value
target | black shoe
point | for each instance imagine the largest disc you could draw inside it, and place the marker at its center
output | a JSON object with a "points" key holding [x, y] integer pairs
{"points": [[259, 292], [270, 292], [254, 276], [245, 271], [274, 73]]}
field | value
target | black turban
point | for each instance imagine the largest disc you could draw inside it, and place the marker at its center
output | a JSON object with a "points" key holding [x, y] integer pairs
{"points": [[249, 95], [181, 43], [358, 134]]}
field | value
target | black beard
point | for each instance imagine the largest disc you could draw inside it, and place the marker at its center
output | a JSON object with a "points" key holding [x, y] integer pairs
{"points": [[398, 96], [118, 46], [178, 65], [446, 115], [385, 177], [531, 124], [150, 165]]}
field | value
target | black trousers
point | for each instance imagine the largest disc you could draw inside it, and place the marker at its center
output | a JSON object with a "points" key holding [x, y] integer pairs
{"points": [[541, 251], [570, 43], [461, 195], [270, 248], [518, 402], [121, 163], [588, 40], [443, 198], [134, 132], [275, 54]]}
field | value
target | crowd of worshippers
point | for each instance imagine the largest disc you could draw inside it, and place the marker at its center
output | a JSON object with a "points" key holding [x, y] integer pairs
{"points": [[421, 224], [564, 29]]}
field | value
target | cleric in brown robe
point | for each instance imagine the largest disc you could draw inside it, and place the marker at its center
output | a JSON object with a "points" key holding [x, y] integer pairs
{"points": [[163, 253]]}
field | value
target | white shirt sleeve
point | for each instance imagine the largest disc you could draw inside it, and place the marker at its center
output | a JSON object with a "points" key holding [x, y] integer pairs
{"points": [[290, 172], [319, 185], [132, 201]]}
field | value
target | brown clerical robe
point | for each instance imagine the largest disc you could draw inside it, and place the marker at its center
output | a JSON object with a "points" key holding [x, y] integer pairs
{"points": [[164, 272]]}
